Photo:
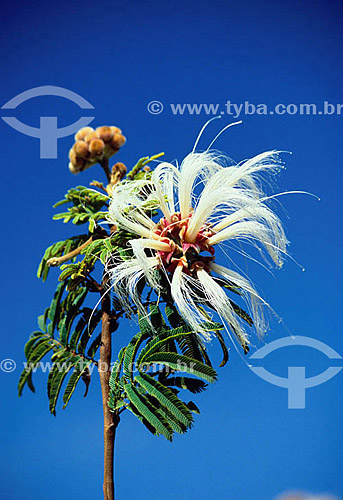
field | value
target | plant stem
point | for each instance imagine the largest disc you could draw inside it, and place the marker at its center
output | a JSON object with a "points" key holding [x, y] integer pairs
{"points": [[104, 163], [57, 261], [111, 420]]}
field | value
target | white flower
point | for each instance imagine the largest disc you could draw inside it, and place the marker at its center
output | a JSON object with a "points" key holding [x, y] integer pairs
{"points": [[231, 206]]}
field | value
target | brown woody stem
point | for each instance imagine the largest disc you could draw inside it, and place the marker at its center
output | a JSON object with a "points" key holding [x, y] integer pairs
{"points": [[111, 420], [105, 165]]}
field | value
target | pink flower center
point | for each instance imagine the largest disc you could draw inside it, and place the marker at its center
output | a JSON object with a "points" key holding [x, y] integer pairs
{"points": [[187, 254]]}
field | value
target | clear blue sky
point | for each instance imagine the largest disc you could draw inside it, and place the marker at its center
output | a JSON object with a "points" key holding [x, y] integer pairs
{"points": [[120, 56]]}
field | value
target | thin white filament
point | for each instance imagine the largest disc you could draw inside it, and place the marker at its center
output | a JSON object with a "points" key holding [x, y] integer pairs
{"points": [[202, 131], [223, 130]]}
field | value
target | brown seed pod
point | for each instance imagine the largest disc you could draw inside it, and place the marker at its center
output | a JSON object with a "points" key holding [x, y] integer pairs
{"points": [[118, 140], [96, 147], [105, 133], [81, 149], [81, 134], [91, 136], [115, 129]]}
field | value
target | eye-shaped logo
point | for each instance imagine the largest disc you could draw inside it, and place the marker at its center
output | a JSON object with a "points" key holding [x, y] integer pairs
{"points": [[48, 133], [296, 383]]}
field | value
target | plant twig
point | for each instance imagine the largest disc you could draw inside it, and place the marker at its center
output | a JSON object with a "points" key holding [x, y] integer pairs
{"points": [[96, 286], [104, 163], [99, 185], [57, 261]]}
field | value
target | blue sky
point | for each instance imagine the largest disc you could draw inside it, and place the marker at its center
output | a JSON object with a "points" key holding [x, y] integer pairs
{"points": [[120, 56]]}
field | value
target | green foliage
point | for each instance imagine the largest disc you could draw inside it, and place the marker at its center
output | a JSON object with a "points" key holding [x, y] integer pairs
{"points": [[57, 250], [241, 313], [192, 385], [74, 324], [136, 172], [86, 205], [143, 379], [68, 350], [159, 366]]}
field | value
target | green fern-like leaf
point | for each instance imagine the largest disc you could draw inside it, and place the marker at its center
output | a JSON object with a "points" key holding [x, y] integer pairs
{"points": [[166, 398], [144, 407], [193, 385], [129, 356], [184, 364], [62, 368], [74, 379], [41, 348], [55, 307]]}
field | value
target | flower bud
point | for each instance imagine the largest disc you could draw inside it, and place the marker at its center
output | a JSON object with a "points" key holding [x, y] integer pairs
{"points": [[77, 162], [72, 154], [92, 146], [105, 133], [73, 169], [81, 149], [115, 129], [118, 140], [96, 147], [91, 136], [118, 172], [81, 134]]}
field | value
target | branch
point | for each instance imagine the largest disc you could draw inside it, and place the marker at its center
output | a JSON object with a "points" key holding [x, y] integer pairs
{"points": [[104, 164], [99, 185], [94, 283], [111, 421], [57, 261]]}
